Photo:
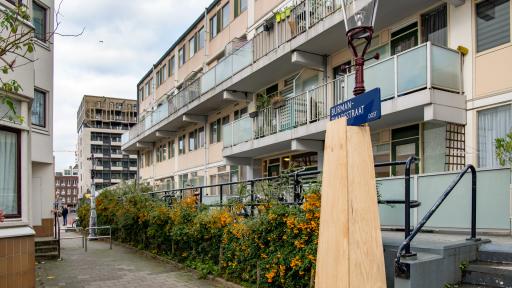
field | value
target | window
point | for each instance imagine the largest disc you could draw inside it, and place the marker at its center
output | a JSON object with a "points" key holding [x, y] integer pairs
{"points": [[141, 93], [240, 113], [492, 24], [404, 38], [240, 7], [492, 123], [192, 143], [192, 47], [181, 56], [171, 149], [201, 38], [171, 66], [160, 76], [39, 109], [10, 192], [434, 26], [181, 145], [215, 132], [225, 16], [147, 88], [39, 21], [214, 26]]}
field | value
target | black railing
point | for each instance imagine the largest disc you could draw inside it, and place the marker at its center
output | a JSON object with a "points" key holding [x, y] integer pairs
{"points": [[56, 230], [402, 270], [297, 185]]}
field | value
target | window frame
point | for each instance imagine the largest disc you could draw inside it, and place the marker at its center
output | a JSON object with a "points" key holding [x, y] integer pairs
{"points": [[494, 48], [225, 8], [172, 66], [238, 7], [214, 25], [45, 104], [18, 171], [181, 56], [45, 20]]}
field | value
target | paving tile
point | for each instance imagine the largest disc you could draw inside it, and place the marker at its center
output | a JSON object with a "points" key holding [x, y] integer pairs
{"points": [[119, 267]]}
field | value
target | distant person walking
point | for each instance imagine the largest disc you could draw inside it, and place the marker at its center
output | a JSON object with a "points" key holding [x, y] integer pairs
{"points": [[2, 216], [65, 215]]}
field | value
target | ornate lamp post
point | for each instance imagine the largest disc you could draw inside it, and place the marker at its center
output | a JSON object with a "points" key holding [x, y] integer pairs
{"points": [[359, 20]]}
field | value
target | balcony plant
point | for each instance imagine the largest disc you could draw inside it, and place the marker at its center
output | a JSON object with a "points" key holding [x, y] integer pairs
{"points": [[277, 101]]}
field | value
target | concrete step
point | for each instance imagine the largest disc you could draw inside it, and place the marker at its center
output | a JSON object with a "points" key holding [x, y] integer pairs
{"points": [[499, 253], [47, 256], [46, 249], [488, 273], [46, 242]]}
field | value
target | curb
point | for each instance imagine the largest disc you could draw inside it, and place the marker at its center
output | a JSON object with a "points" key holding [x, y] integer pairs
{"points": [[218, 280]]}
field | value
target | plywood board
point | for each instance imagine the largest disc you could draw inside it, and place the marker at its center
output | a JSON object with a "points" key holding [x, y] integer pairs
{"points": [[350, 252]]}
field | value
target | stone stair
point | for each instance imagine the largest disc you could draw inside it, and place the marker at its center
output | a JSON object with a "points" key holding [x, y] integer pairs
{"points": [[492, 269], [47, 249]]}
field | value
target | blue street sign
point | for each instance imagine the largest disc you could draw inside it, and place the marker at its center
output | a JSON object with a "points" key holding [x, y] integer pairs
{"points": [[358, 110]]}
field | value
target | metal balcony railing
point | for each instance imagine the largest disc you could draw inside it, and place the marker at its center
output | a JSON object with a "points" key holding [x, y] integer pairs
{"points": [[423, 67], [298, 16]]}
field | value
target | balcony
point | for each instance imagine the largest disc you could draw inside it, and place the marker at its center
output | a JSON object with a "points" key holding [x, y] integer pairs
{"points": [[422, 82], [310, 26]]}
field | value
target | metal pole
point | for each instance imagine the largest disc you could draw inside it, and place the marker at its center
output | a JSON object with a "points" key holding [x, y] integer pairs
{"points": [[110, 236], [252, 198], [221, 195], [407, 224], [473, 203], [92, 217]]}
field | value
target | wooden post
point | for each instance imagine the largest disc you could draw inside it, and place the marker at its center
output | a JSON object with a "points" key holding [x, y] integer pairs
{"points": [[350, 252]]}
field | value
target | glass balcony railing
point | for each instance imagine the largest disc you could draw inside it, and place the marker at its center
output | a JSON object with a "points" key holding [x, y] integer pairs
{"points": [[422, 67]]}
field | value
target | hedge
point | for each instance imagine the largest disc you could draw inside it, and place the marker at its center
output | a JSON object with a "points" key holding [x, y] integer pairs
{"points": [[276, 248]]}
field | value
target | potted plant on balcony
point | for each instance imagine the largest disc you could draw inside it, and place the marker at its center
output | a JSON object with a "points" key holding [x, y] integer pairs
{"points": [[277, 101]]}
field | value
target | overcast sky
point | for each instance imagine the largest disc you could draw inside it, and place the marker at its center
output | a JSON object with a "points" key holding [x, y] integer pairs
{"points": [[134, 34]]}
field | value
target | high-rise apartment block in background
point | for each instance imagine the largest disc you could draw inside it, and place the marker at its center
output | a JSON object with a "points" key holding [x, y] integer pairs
{"points": [[101, 122], [26, 149]]}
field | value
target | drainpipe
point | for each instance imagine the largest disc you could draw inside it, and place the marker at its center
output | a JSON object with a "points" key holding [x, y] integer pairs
{"points": [[206, 152], [206, 34]]}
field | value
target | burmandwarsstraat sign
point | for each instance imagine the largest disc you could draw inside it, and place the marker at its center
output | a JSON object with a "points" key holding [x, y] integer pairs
{"points": [[358, 110]]}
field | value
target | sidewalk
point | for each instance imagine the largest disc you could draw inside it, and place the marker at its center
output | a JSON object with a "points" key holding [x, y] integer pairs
{"points": [[102, 267]]}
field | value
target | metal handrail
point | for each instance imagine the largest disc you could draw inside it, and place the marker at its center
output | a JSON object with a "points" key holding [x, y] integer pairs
{"points": [[86, 231], [402, 269], [56, 234]]}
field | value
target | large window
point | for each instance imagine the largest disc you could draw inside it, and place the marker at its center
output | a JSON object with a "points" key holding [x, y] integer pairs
{"points": [[492, 123], [404, 38], [225, 16], [10, 192], [39, 108], [492, 24], [434, 26], [192, 47], [171, 66], [240, 7], [181, 145], [201, 38], [181, 56], [216, 129], [39, 21], [214, 28]]}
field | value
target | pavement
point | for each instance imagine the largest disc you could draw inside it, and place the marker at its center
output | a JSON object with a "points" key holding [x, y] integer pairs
{"points": [[119, 267]]}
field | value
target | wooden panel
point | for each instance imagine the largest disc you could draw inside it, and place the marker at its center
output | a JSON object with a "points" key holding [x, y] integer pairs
{"points": [[350, 252]]}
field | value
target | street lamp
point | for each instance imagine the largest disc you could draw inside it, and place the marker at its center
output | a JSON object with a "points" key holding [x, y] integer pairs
{"points": [[359, 18]]}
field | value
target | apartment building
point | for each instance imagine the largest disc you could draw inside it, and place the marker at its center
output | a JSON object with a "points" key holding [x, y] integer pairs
{"points": [[249, 95], [66, 190], [26, 149], [66, 187], [100, 123]]}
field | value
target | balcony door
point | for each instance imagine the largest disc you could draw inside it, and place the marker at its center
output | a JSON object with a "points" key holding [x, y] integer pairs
{"points": [[404, 144], [404, 38], [434, 26]]}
